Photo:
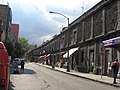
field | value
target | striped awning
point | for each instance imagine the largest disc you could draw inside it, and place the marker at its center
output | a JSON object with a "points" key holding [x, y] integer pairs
{"points": [[111, 42]]}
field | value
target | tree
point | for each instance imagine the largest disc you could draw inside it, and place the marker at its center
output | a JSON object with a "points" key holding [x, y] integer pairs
{"points": [[10, 48], [19, 49], [22, 47]]}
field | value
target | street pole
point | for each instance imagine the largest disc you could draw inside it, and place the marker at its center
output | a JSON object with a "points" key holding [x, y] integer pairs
{"points": [[68, 61], [101, 66]]}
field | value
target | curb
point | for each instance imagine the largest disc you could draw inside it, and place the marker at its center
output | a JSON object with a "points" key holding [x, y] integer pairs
{"points": [[118, 86]]}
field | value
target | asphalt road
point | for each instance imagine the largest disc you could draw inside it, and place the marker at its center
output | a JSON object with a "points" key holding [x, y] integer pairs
{"points": [[36, 77]]}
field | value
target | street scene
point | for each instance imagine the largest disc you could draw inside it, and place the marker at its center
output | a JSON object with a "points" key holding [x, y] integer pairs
{"points": [[38, 77], [60, 45]]}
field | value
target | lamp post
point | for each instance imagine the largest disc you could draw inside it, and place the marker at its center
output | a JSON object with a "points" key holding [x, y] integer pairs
{"points": [[68, 68]]}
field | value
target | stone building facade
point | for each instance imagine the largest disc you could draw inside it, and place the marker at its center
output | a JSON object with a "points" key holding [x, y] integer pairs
{"points": [[87, 33], [6, 18]]}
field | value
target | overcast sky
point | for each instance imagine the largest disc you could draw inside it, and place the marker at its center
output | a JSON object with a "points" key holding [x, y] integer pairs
{"points": [[35, 21]]}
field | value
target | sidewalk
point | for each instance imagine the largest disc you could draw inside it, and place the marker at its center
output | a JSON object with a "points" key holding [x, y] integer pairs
{"points": [[104, 79]]}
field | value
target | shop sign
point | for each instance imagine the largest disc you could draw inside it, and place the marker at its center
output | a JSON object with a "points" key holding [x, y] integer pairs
{"points": [[111, 42]]}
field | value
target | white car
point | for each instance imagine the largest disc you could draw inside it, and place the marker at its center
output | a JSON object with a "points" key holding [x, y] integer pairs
{"points": [[18, 60]]}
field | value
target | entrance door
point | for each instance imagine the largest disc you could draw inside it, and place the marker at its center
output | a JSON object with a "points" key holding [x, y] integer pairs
{"points": [[82, 56], [106, 61], [91, 60], [72, 63]]}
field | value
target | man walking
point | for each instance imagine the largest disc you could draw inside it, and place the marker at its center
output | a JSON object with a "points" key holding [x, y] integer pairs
{"points": [[22, 65], [115, 68]]}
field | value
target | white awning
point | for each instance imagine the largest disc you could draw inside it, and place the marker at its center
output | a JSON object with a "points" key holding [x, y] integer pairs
{"points": [[71, 51], [41, 56], [48, 55]]}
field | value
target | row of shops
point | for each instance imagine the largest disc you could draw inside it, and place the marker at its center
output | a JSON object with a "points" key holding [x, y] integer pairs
{"points": [[84, 60], [94, 41], [112, 51]]}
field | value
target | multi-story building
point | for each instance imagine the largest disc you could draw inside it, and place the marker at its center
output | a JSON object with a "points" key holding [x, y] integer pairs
{"points": [[6, 18], [91, 47], [15, 29], [14, 33]]}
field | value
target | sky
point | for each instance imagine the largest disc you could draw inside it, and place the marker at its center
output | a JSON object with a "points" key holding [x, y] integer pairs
{"points": [[37, 24]]}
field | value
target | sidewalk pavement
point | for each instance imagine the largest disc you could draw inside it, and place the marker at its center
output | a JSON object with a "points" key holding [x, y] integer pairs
{"points": [[98, 78]]}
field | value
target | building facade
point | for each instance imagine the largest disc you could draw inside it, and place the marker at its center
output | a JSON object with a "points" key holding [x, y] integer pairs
{"points": [[6, 18], [15, 29], [86, 36]]}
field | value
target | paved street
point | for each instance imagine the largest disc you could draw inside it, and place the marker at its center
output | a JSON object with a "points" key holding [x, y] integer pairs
{"points": [[37, 77]]}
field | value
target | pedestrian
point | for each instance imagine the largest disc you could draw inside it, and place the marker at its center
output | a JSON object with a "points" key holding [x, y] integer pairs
{"points": [[22, 65], [61, 63], [115, 68], [15, 67], [92, 66], [68, 68]]}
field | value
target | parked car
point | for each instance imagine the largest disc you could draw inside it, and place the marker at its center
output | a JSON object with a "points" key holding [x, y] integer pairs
{"points": [[18, 60], [15, 67]]}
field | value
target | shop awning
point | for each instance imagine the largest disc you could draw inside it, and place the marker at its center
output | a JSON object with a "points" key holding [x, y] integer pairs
{"points": [[48, 55], [111, 42], [43, 58], [71, 51]]}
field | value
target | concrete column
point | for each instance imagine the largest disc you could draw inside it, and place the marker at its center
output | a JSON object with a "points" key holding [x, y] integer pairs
{"points": [[103, 21], [92, 28], [83, 25], [96, 57], [95, 51], [118, 21]]}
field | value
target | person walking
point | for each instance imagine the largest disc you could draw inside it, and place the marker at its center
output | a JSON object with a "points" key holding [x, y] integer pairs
{"points": [[15, 67], [115, 68], [22, 65]]}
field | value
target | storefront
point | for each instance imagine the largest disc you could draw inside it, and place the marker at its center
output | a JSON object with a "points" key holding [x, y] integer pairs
{"points": [[72, 57], [71, 51], [112, 51]]}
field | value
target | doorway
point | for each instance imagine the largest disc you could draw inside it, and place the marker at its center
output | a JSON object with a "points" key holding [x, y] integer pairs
{"points": [[106, 62], [91, 61]]}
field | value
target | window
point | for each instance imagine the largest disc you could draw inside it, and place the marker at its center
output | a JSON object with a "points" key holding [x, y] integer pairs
{"points": [[74, 37]]}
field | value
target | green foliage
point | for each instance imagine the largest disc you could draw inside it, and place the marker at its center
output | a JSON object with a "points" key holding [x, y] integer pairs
{"points": [[9, 47], [17, 49], [22, 46]]}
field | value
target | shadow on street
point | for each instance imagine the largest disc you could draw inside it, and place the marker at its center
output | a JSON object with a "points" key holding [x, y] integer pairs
{"points": [[26, 71]]}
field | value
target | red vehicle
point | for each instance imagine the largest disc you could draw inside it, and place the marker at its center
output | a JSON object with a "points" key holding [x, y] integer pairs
{"points": [[4, 67]]}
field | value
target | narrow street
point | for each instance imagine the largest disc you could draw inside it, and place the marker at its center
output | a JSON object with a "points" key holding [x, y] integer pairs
{"points": [[40, 78]]}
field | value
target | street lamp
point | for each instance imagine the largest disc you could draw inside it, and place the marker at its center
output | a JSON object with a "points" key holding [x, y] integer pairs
{"points": [[68, 68]]}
